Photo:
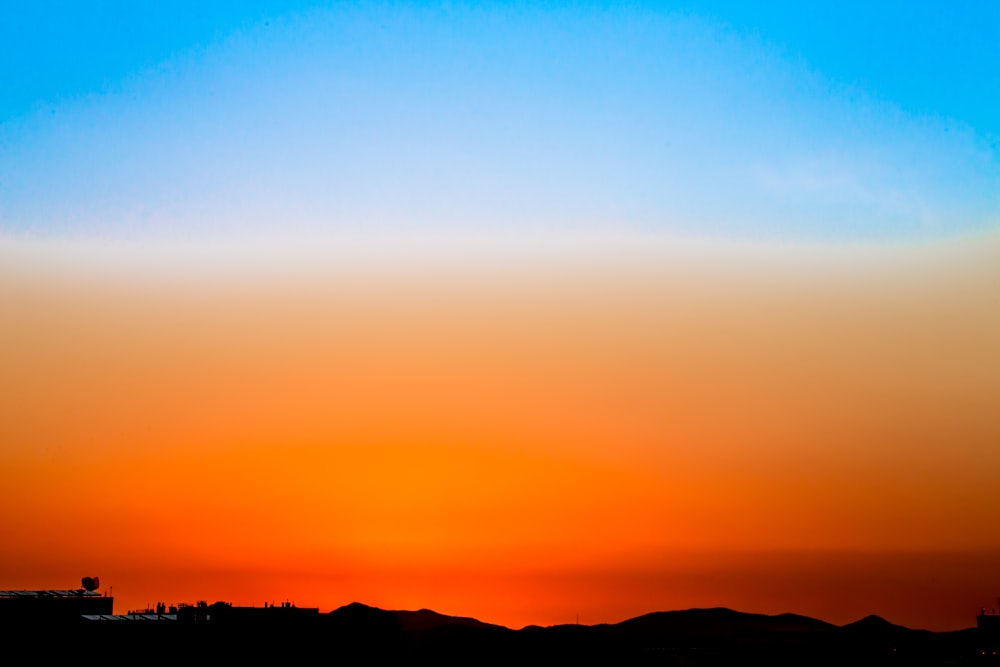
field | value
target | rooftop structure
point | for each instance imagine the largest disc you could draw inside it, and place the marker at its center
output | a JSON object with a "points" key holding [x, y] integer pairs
{"points": [[51, 605], [223, 612], [989, 622]]}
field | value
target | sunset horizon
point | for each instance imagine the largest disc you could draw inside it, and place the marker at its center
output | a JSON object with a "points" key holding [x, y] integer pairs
{"points": [[522, 435], [529, 313]]}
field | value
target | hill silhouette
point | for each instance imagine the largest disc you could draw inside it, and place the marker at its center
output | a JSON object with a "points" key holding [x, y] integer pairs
{"points": [[716, 636], [719, 623], [358, 632], [425, 619]]}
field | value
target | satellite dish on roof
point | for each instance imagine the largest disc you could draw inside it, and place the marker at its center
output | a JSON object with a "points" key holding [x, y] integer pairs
{"points": [[91, 583]]}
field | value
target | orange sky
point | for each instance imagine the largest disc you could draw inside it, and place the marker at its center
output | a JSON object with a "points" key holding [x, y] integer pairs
{"points": [[518, 436]]}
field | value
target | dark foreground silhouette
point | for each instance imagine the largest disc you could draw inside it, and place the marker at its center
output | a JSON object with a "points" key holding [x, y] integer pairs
{"points": [[359, 634]]}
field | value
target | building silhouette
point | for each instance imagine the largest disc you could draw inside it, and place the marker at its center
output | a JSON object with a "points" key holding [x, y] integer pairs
{"points": [[51, 605]]}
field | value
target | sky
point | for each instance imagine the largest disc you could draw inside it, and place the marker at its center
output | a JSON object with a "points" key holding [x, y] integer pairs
{"points": [[518, 311], [830, 122]]}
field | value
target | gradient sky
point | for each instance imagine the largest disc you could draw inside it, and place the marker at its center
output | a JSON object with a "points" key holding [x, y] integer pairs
{"points": [[516, 311], [837, 121]]}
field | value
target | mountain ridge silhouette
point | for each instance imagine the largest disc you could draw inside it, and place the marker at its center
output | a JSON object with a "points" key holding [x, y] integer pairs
{"points": [[357, 632], [691, 618]]}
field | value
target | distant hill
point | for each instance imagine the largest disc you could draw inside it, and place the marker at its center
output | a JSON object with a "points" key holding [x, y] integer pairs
{"points": [[720, 623], [425, 619], [358, 632]]}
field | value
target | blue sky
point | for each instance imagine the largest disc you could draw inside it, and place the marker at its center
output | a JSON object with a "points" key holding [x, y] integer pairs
{"points": [[787, 121]]}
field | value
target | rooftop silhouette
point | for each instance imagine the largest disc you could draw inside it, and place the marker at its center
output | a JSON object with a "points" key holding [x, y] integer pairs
{"points": [[716, 636]]}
